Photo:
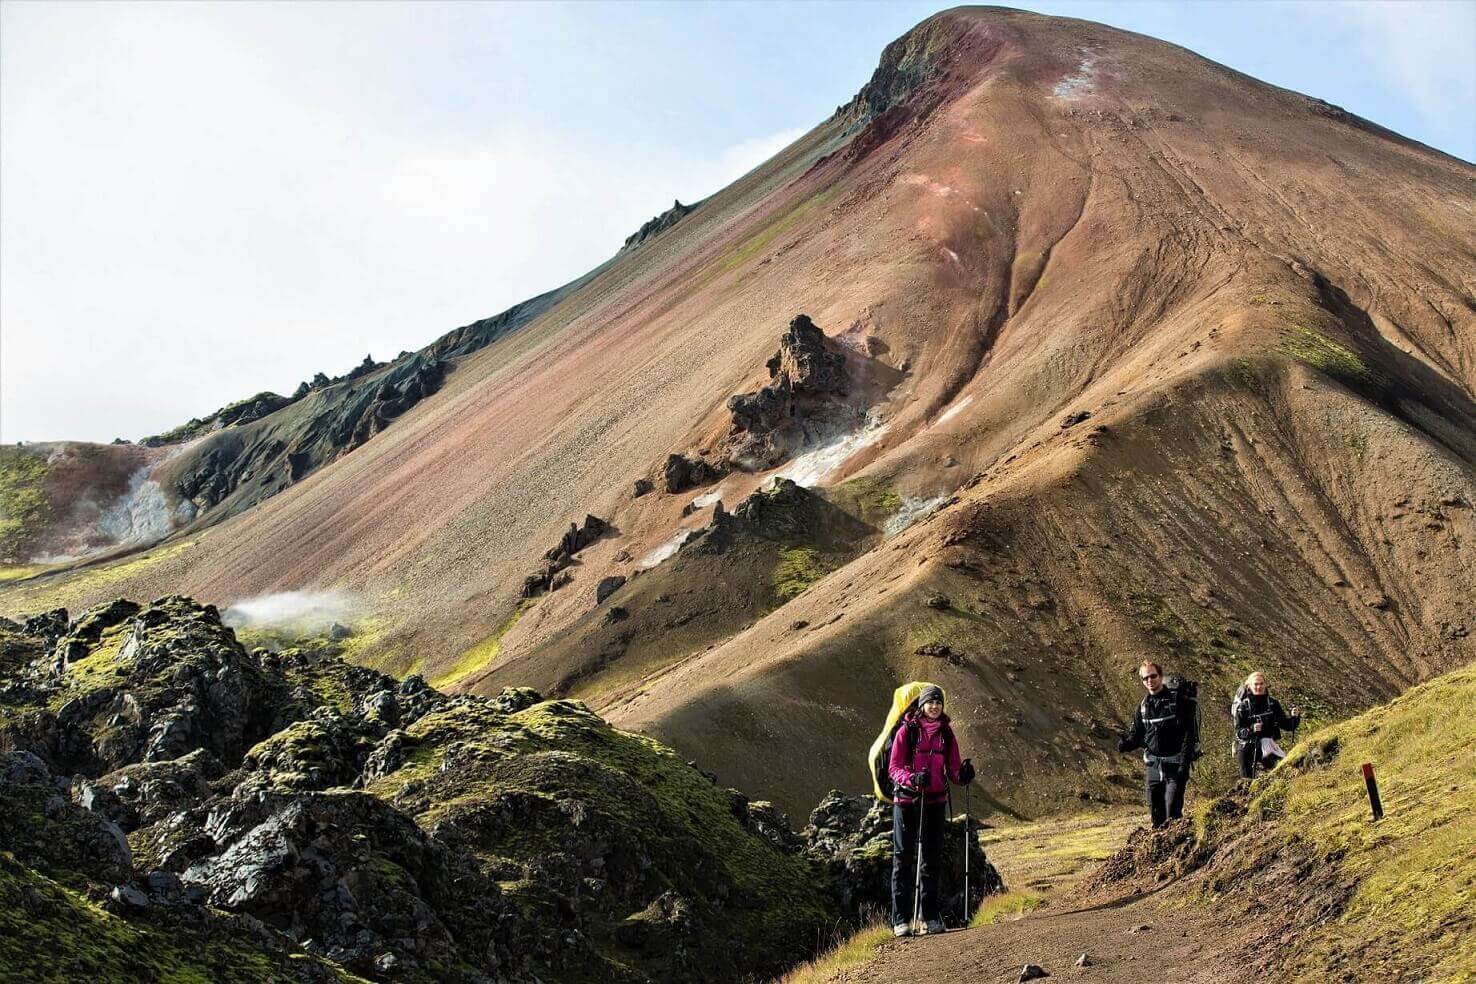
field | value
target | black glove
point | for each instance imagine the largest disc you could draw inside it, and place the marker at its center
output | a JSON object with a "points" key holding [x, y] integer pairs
{"points": [[919, 781], [966, 772]]}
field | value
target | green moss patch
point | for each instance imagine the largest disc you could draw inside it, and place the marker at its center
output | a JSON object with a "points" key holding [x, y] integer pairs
{"points": [[849, 953], [1007, 905], [797, 569], [870, 500], [23, 506], [1414, 908], [483, 654], [1312, 348], [553, 779]]}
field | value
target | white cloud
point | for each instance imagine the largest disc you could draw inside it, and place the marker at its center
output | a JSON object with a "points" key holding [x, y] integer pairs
{"points": [[187, 220]]}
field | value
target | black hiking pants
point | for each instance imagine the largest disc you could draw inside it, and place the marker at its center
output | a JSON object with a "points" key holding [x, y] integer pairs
{"points": [[1247, 757], [1166, 795], [904, 858]]}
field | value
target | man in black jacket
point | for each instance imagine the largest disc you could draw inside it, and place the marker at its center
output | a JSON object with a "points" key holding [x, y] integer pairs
{"points": [[1259, 721], [1164, 727]]}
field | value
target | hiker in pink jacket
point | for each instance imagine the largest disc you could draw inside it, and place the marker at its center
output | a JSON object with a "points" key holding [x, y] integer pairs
{"points": [[924, 761]]}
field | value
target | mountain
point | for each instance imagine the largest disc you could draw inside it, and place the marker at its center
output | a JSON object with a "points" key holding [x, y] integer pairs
{"points": [[1074, 347]]}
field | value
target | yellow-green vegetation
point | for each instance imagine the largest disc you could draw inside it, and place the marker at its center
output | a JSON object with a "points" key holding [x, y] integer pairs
{"points": [[1044, 856], [797, 569], [51, 933], [23, 505], [1312, 348], [89, 581], [482, 655], [1413, 913], [750, 247], [849, 953], [868, 499], [1005, 906], [368, 631], [17, 572], [100, 668], [515, 779]]}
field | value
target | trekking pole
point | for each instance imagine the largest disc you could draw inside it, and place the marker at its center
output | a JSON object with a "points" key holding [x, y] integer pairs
{"points": [[968, 833], [917, 883]]}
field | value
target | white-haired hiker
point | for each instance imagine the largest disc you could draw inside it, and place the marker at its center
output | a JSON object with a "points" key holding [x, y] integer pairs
{"points": [[1259, 722]]}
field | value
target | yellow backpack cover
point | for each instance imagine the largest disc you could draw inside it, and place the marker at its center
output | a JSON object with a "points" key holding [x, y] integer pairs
{"points": [[881, 750]]}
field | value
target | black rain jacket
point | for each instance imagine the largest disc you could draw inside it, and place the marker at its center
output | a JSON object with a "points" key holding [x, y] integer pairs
{"points": [[1267, 710], [1161, 724]]}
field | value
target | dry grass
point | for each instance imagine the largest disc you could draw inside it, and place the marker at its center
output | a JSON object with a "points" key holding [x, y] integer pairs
{"points": [[849, 953]]}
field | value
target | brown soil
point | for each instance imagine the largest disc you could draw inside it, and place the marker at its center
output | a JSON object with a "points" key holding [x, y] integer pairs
{"points": [[1172, 950]]}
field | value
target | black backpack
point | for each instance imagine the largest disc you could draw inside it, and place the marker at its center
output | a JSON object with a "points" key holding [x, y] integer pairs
{"points": [[1188, 691]]}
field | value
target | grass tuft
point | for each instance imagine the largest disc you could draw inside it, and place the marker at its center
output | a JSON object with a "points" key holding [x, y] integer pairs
{"points": [[1005, 906], [848, 954]]}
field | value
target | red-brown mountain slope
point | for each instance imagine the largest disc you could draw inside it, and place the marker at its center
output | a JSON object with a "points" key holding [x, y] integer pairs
{"points": [[1264, 304]]}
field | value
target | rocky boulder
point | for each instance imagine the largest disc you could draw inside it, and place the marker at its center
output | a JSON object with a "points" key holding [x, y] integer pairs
{"points": [[681, 473], [806, 360], [349, 877], [851, 838], [43, 828], [804, 401]]}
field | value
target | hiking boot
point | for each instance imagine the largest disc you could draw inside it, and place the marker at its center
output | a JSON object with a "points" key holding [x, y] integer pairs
{"points": [[902, 929], [934, 926]]}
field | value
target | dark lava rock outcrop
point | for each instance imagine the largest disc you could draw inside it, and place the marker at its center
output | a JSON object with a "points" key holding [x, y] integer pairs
{"points": [[659, 224], [240, 412], [327, 421], [851, 838], [681, 473], [257, 815], [552, 575], [809, 380]]}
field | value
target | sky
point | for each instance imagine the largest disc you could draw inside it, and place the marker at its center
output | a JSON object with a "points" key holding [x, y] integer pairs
{"points": [[202, 201]]}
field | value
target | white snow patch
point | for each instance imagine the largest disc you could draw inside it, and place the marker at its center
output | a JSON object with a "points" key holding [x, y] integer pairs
{"points": [[812, 467], [1079, 84], [912, 510], [707, 498], [299, 612], [666, 550], [953, 411]]}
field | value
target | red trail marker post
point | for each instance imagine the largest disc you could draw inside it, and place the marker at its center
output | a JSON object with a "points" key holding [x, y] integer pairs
{"points": [[1373, 791]]}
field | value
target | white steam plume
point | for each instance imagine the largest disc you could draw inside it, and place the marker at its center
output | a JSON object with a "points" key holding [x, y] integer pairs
{"points": [[300, 613]]}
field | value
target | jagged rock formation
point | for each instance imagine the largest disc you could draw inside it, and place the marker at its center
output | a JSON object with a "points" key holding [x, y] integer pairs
{"points": [[230, 415], [659, 224], [805, 396], [290, 801], [553, 574], [681, 473], [330, 423]]}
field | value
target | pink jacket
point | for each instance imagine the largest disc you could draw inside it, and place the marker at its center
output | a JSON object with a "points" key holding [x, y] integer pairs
{"points": [[935, 752]]}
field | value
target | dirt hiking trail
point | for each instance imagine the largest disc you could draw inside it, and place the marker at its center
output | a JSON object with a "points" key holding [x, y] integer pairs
{"points": [[1171, 949], [1044, 864]]}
